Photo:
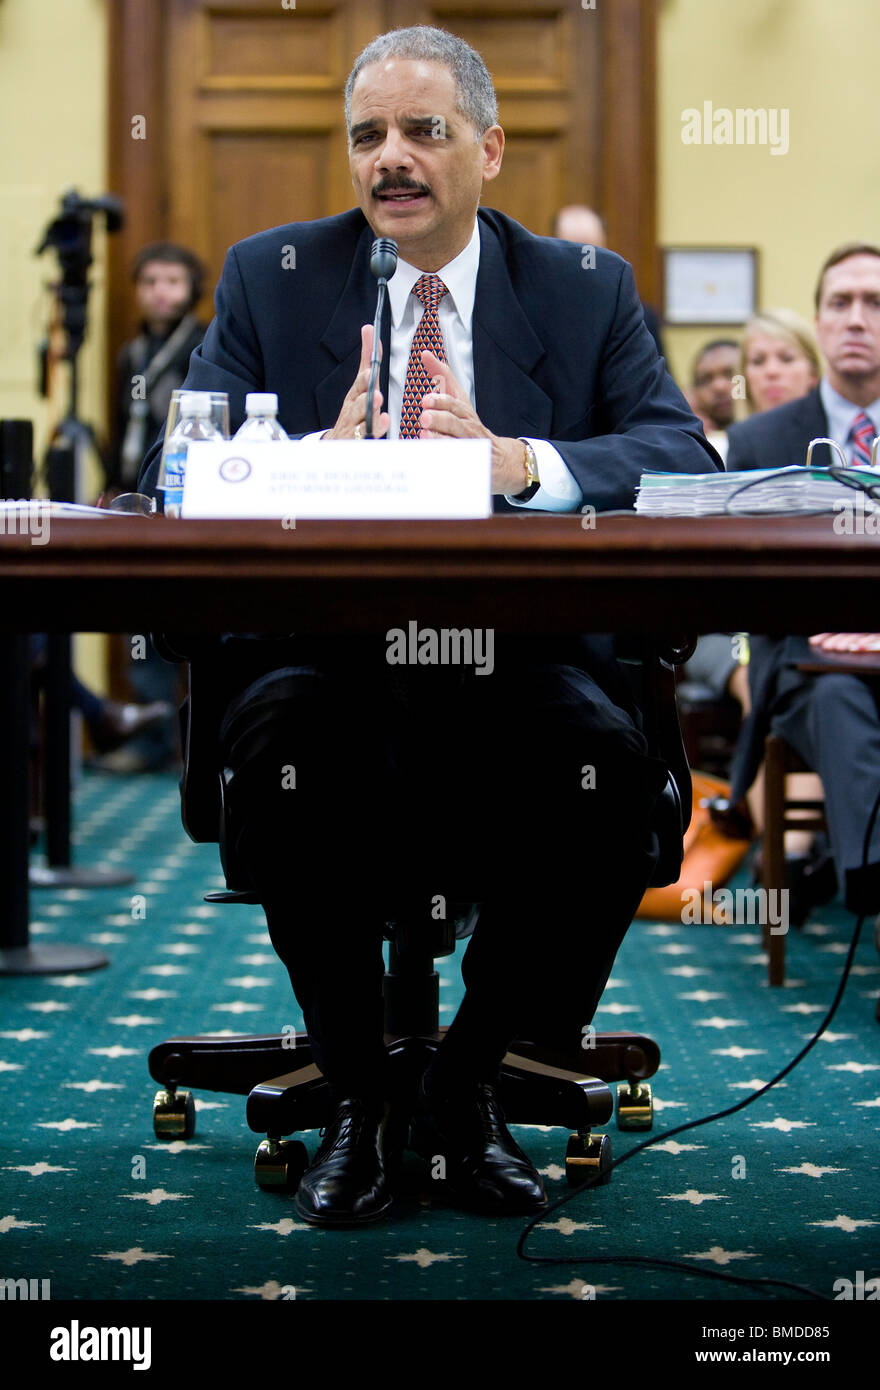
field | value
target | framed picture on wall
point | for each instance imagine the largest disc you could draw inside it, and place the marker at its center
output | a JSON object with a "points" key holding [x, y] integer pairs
{"points": [[704, 286]]}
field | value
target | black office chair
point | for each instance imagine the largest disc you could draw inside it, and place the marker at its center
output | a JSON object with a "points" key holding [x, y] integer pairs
{"points": [[285, 1089]]}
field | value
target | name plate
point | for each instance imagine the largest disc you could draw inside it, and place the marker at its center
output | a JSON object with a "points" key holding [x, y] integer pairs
{"points": [[370, 479]]}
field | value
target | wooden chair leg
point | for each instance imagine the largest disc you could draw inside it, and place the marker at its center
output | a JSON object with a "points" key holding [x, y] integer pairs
{"points": [[773, 873]]}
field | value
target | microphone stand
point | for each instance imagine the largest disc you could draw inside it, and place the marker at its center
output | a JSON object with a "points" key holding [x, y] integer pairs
{"points": [[383, 263]]}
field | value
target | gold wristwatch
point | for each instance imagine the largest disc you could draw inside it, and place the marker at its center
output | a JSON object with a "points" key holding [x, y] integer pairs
{"points": [[533, 481]]}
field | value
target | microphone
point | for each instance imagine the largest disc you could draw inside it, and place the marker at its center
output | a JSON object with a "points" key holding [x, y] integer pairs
{"points": [[383, 263]]}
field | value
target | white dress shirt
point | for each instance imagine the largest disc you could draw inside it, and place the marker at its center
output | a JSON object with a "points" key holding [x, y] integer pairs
{"points": [[558, 492], [841, 413]]}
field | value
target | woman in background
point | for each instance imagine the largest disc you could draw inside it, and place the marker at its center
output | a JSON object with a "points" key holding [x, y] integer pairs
{"points": [[779, 359]]}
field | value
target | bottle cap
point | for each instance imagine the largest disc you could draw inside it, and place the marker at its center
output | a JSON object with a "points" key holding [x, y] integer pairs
{"points": [[195, 403], [261, 403]]}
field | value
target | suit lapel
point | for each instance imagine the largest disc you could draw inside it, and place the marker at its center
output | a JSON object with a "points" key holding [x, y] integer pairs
{"points": [[506, 351], [342, 336]]}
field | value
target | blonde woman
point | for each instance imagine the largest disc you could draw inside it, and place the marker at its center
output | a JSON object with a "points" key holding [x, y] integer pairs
{"points": [[779, 359]]}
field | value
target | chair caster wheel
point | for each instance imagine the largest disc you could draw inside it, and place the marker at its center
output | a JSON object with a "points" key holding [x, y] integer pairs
{"points": [[174, 1115], [586, 1156], [635, 1106], [279, 1164]]}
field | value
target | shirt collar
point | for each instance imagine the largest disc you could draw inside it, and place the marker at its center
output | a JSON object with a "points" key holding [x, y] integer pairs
{"points": [[842, 412], [459, 276]]}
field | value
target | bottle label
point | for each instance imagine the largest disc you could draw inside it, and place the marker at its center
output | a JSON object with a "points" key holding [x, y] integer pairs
{"points": [[175, 468]]}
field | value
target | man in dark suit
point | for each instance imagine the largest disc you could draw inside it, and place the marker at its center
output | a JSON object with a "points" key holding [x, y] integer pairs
{"points": [[530, 792], [832, 719]]}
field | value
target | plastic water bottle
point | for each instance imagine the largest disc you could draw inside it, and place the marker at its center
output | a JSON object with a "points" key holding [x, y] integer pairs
{"points": [[261, 425], [195, 423]]}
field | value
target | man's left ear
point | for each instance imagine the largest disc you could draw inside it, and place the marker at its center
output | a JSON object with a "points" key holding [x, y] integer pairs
{"points": [[493, 148]]}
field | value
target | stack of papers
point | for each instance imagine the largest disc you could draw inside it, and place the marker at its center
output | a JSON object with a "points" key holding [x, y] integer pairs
{"points": [[786, 491]]}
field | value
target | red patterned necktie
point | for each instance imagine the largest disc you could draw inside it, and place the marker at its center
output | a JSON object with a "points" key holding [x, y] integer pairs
{"points": [[862, 436], [430, 289]]}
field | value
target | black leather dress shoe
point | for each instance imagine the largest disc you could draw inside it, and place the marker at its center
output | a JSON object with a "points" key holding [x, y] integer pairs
{"points": [[484, 1167], [346, 1183]]}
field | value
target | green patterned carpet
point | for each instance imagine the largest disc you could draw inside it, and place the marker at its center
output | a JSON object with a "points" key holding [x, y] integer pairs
{"points": [[89, 1199]]}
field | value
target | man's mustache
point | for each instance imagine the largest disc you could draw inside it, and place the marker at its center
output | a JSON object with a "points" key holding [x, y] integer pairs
{"points": [[385, 186]]}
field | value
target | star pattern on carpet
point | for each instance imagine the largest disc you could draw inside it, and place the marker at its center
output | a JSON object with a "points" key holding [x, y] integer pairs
{"points": [[843, 1223], [811, 1170], [156, 1197], [133, 1021], [133, 1256], [696, 1199], [719, 1256], [272, 1291], [577, 1288], [754, 1084], [784, 1126], [91, 1086], [857, 1068], [64, 1126], [12, 1223], [424, 1258], [672, 1146], [566, 1227], [178, 1146], [737, 1052], [38, 1170], [285, 1227]]}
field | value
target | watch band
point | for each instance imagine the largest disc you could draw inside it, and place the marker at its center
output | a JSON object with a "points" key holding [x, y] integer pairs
{"points": [[533, 481]]}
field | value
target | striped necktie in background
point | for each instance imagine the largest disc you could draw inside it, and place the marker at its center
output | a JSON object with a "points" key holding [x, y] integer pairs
{"points": [[862, 436], [430, 289]]}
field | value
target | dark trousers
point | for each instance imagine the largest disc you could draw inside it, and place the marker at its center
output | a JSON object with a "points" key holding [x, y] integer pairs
{"points": [[360, 793], [832, 722]]}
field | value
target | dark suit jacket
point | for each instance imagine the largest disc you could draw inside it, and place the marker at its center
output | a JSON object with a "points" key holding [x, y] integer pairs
{"points": [[778, 438], [560, 352], [773, 439]]}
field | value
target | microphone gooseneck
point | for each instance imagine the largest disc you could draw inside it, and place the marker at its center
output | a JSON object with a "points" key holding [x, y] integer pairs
{"points": [[383, 263]]}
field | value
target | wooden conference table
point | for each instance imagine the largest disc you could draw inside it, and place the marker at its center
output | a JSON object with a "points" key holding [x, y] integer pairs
{"points": [[536, 573]]}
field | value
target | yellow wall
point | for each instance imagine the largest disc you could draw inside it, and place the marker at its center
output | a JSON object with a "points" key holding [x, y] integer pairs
{"points": [[818, 58], [53, 82]]}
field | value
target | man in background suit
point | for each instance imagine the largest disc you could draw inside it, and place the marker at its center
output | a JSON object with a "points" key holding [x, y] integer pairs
{"points": [[831, 720], [412, 779]]}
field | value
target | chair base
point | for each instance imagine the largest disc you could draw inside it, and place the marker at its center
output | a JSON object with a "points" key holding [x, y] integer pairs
{"points": [[536, 1085]]}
